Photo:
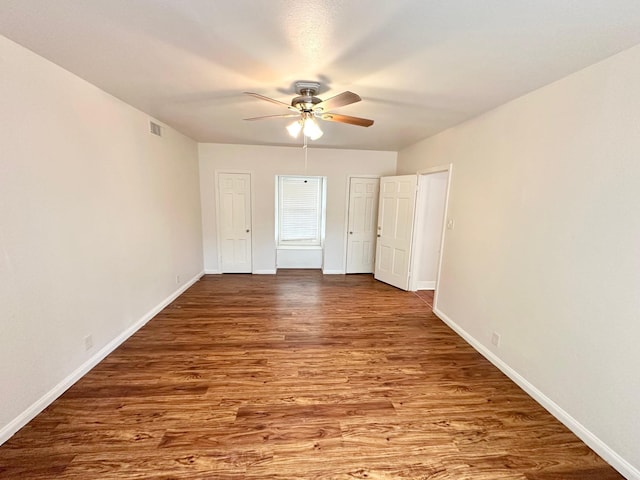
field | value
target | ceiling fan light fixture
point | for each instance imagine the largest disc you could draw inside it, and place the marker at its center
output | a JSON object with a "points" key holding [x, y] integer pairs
{"points": [[308, 108], [311, 129], [295, 128]]}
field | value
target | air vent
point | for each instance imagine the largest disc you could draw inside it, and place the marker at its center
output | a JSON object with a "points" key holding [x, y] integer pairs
{"points": [[155, 129]]}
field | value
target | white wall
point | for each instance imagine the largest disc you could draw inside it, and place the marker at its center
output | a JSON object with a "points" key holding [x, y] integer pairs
{"points": [[264, 163], [545, 251], [97, 218], [299, 257]]}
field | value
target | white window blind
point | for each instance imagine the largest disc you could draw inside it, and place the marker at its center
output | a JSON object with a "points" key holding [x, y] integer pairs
{"points": [[300, 211]]}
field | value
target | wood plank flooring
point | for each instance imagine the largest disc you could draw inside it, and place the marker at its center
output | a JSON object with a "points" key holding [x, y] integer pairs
{"points": [[297, 376]]}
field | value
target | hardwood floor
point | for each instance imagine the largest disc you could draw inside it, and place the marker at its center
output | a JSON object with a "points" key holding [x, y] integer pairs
{"points": [[297, 376], [426, 296]]}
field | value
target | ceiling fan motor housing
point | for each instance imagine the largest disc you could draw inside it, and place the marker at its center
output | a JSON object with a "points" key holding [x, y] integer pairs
{"points": [[307, 98]]}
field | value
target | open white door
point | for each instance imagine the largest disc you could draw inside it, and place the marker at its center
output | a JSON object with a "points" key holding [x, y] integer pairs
{"points": [[234, 222], [363, 218], [395, 229]]}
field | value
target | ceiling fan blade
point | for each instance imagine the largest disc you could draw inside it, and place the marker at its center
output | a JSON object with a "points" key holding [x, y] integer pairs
{"points": [[340, 100], [272, 100], [286, 115], [335, 117]]}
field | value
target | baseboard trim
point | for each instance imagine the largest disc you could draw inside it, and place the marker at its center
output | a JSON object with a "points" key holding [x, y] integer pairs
{"points": [[333, 272], [208, 271], [430, 285], [597, 445], [264, 272], [48, 398]]}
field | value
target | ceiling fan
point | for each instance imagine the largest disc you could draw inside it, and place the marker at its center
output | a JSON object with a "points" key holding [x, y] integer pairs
{"points": [[308, 108]]}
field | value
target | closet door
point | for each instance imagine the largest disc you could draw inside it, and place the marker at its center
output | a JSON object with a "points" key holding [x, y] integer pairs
{"points": [[234, 222], [395, 229], [363, 219]]}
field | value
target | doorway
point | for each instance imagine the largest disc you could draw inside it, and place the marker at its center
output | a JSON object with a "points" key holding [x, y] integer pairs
{"points": [[361, 224], [234, 222], [411, 218], [429, 224]]}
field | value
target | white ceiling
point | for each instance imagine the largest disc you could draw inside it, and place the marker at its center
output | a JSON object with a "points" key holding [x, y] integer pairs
{"points": [[420, 66]]}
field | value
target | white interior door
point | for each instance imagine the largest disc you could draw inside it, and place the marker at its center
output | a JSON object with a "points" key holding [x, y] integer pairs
{"points": [[363, 219], [395, 229], [234, 222]]}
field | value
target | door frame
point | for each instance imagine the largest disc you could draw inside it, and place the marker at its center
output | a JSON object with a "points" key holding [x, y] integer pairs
{"points": [[420, 213], [345, 258], [216, 198]]}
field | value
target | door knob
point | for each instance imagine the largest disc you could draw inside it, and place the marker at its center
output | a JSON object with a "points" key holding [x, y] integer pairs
{"points": [[247, 230], [350, 233], [378, 235]]}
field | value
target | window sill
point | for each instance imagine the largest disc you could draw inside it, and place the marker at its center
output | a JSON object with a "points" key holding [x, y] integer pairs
{"points": [[299, 247]]}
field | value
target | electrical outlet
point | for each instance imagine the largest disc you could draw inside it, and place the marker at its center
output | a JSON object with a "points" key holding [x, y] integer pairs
{"points": [[451, 223], [177, 279], [495, 339], [88, 342]]}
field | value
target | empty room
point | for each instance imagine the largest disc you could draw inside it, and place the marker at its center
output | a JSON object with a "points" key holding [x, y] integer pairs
{"points": [[320, 239]]}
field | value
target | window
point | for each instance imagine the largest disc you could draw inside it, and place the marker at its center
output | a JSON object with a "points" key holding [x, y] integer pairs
{"points": [[300, 211]]}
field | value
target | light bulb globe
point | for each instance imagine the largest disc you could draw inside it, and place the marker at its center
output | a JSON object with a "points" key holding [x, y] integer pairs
{"points": [[311, 129], [294, 128]]}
